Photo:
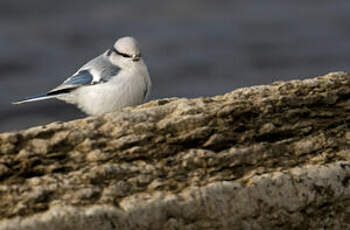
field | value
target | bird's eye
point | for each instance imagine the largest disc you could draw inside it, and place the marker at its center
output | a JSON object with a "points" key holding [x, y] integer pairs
{"points": [[109, 52], [121, 54]]}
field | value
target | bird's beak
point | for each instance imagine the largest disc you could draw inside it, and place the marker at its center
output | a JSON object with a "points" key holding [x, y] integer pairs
{"points": [[136, 57]]}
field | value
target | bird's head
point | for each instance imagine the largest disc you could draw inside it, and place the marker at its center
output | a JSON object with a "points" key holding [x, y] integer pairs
{"points": [[124, 50]]}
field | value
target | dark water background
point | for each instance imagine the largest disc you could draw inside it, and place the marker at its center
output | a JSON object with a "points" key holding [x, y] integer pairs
{"points": [[192, 48]]}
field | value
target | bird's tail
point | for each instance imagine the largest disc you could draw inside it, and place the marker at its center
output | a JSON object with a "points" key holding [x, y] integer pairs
{"points": [[34, 98], [51, 94]]}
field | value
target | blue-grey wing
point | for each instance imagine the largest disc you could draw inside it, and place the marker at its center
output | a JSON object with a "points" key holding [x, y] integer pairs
{"points": [[104, 70], [83, 77]]}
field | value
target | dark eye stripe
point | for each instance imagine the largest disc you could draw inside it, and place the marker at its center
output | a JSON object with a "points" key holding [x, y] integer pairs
{"points": [[121, 54]]}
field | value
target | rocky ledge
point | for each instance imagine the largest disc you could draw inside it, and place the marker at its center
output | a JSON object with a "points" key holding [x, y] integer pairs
{"points": [[264, 157]]}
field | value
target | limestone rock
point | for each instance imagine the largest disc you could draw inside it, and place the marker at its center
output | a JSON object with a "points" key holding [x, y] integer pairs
{"points": [[265, 157]]}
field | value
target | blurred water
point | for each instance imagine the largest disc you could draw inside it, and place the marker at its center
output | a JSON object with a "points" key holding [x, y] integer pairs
{"points": [[193, 48]]}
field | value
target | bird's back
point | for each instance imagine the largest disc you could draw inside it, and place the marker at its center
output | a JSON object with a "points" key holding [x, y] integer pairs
{"points": [[102, 68]]}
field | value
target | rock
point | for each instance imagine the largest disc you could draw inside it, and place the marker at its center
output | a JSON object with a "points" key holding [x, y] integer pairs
{"points": [[265, 157]]}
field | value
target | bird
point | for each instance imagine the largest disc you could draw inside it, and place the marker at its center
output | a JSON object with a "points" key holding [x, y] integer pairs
{"points": [[113, 80]]}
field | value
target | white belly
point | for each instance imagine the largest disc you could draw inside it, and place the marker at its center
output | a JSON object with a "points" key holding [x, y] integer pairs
{"points": [[119, 92]]}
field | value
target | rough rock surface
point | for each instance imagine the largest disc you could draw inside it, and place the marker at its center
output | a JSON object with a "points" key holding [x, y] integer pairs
{"points": [[266, 157]]}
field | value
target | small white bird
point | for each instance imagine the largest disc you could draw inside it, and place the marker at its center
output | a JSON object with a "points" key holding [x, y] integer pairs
{"points": [[115, 79]]}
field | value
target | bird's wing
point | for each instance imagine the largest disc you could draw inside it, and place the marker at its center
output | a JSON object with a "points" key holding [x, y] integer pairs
{"points": [[81, 78], [103, 69], [98, 70]]}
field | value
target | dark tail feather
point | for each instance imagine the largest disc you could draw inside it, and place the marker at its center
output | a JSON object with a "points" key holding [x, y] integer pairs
{"points": [[51, 94], [60, 91], [34, 98]]}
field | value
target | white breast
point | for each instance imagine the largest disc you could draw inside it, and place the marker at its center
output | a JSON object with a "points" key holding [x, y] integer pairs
{"points": [[125, 89]]}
